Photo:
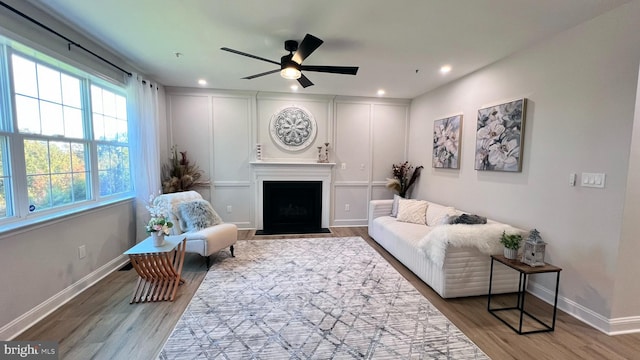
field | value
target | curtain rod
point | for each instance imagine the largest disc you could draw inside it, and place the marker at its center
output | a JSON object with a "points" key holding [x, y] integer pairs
{"points": [[69, 41]]}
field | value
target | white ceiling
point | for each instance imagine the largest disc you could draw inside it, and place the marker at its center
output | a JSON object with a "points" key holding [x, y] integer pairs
{"points": [[399, 45]]}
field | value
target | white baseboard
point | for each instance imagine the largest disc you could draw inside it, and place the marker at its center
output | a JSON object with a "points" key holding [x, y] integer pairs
{"points": [[350, 222], [25, 321], [628, 325], [608, 326]]}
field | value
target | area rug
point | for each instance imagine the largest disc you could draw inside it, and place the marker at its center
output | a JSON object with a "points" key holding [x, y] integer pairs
{"points": [[323, 298]]}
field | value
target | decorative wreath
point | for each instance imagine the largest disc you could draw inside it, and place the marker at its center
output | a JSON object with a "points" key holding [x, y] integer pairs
{"points": [[293, 128]]}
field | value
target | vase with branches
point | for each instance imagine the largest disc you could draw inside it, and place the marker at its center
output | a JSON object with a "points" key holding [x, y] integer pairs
{"points": [[179, 174], [404, 176]]}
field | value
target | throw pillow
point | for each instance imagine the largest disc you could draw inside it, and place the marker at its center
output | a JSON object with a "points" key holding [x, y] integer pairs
{"points": [[438, 215], [197, 215], [468, 219], [412, 211], [394, 206]]}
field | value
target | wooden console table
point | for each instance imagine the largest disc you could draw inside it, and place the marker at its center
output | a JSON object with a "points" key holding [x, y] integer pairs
{"points": [[524, 270], [158, 268]]}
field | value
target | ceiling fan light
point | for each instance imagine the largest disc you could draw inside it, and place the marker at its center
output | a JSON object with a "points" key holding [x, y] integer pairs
{"points": [[290, 73]]}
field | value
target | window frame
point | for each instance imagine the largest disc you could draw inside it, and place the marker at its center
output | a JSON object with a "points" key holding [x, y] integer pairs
{"points": [[20, 214]]}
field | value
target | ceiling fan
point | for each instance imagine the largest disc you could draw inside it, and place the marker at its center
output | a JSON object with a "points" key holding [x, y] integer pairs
{"points": [[291, 65]]}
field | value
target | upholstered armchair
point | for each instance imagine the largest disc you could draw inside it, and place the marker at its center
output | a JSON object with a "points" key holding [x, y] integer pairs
{"points": [[194, 218]]}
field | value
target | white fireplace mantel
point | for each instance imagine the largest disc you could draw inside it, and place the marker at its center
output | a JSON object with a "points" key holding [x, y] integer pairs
{"points": [[292, 171]]}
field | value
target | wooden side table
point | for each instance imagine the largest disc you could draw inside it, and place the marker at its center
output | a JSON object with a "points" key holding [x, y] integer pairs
{"points": [[525, 270], [158, 268]]}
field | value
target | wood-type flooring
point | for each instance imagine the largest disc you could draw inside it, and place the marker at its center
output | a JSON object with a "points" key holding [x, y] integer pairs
{"points": [[101, 324]]}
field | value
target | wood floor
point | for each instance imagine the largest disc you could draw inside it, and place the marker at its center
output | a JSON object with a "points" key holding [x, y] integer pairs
{"points": [[101, 324]]}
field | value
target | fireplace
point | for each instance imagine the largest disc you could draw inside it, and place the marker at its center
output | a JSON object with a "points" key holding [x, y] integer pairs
{"points": [[292, 172], [292, 207]]}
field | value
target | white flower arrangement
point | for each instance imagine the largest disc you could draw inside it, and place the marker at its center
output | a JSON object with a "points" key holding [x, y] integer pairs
{"points": [[158, 223]]}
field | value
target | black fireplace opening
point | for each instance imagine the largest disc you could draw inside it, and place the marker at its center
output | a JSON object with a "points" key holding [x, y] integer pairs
{"points": [[292, 207]]}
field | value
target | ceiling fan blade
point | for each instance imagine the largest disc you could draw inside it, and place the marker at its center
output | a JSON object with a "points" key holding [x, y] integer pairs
{"points": [[346, 70], [261, 74], [249, 55], [308, 45], [304, 81]]}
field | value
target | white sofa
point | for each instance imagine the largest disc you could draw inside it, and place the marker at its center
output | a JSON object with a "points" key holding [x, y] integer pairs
{"points": [[460, 269], [204, 242]]}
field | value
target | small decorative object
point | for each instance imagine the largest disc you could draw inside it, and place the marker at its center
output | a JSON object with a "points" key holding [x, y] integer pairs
{"points": [[293, 128], [158, 226], [258, 152], [499, 137], [446, 142], [511, 243], [404, 176], [534, 247], [179, 174], [323, 157], [326, 152]]}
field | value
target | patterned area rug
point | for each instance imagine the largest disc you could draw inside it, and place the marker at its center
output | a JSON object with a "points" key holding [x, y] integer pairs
{"points": [[325, 298]]}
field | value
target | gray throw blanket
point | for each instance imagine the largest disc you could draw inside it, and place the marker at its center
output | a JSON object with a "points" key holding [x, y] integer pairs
{"points": [[468, 219]]}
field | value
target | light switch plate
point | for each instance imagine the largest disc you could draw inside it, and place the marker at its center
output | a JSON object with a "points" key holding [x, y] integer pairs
{"points": [[595, 180]]}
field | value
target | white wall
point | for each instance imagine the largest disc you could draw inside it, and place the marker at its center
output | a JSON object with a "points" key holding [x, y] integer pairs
{"points": [[581, 91], [219, 130], [40, 268], [627, 286], [39, 264]]}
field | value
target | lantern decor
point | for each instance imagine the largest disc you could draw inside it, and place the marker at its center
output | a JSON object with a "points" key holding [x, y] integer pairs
{"points": [[533, 254]]}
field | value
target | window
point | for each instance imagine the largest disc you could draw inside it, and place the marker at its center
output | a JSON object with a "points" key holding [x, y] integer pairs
{"points": [[5, 180], [68, 132], [110, 130], [56, 173]]}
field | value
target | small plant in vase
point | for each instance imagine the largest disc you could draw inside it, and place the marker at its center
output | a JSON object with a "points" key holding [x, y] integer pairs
{"points": [[511, 243], [158, 226]]}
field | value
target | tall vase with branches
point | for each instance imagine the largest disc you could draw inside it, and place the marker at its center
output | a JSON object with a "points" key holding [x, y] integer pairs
{"points": [[404, 176], [179, 174]]}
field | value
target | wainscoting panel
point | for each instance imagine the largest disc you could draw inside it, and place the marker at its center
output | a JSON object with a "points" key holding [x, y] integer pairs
{"points": [[191, 128], [352, 142], [389, 133], [379, 191], [351, 203], [233, 201]]}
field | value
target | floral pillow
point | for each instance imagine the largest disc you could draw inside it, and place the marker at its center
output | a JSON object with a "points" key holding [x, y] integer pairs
{"points": [[197, 215]]}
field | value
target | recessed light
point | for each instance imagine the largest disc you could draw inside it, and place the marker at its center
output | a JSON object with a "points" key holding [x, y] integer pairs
{"points": [[445, 69], [202, 82], [381, 92], [294, 87]]}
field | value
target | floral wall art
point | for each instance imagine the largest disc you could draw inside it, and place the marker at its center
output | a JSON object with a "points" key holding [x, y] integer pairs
{"points": [[446, 142], [499, 137]]}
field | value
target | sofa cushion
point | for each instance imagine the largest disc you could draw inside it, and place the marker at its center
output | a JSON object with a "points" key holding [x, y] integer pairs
{"points": [[439, 215], [197, 214], [394, 206], [412, 211]]}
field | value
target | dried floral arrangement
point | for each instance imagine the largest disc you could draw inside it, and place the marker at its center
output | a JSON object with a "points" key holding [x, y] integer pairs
{"points": [[404, 176], [179, 175]]}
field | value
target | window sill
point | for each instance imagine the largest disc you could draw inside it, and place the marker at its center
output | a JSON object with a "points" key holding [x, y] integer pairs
{"points": [[34, 222]]}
